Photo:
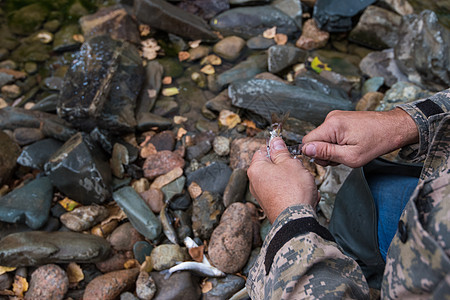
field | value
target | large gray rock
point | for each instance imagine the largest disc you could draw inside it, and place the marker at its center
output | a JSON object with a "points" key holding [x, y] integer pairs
{"points": [[28, 19], [402, 7], [206, 212], [251, 21], [377, 28], [29, 204], [101, 86], [9, 151], [266, 96], [80, 170], [224, 288], [292, 8], [423, 51], [180, 285], [283, 56], [212, 178], [400, 93], [167, 17], [37, 154], [150, 89], [36, 248]]}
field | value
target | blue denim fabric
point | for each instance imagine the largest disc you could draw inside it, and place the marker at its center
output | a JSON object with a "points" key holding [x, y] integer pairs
{"points": [[391, 193]]}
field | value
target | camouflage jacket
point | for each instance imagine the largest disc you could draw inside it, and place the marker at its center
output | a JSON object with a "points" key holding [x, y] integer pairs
{"points": [[299, 258]]}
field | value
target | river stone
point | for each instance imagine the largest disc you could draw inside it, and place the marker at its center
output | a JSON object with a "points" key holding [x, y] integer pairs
{"points": [[138, 212], [141, 249], [150, 88], [166, 256], [400, 93], [124, 237], [29, 204], [6, 280], [312, 37], [115, 21], [382, 64], [336, 16], [229, 48], [259, 43], [145, 286], [185, 224], [205, 9], [26, 136], [147, 121], [101, 86], [64, 38], [31, 51], [251, 260], [180, 285], [206, 212], [282, 56], [402, 7], [38, 248], [236, 187], [224, 288], [84, 217], [247, 22], [292, 8], [28, 19], [198, 150], [377, 28], [231, 242], [169, 18], [173, 189], [128, 296], [423, 51], [161, 163], [9, 152], [7, 39], [221, 145], [242, 151], [154, 199], [48, 282], [182, 202], [266, 96], [212, 178], [113, 263], [372, 85], [80, 171], [111, 285]]}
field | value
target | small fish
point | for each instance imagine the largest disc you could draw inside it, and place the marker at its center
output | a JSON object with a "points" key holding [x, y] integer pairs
{"points": [[166, 222], [277, 128], [190, 243], [197, 268]]}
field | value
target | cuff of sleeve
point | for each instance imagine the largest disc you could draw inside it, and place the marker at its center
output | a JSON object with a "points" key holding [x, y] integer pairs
{"points": [[412, 152]]}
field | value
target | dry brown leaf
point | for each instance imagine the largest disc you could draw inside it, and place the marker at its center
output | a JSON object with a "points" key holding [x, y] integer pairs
{"points": [[3, 270], [69, 204], [183, 55], [281, 39], [150, 48], [131, 263], [20, 286], [211, 59], [249, 123], [229, 118], [197, 253], [147, 265], [167, 80], [206, 287], [103, 230], [195, 44], [115, 213], [208, 70], [75, 273], [179, 120], [170, 91], [144, 29], [270, 33], [78, 38], [194, 190], [181, 132]]}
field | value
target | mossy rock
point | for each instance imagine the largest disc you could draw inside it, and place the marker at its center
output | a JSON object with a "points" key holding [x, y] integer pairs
{"points": [[28, 19], [172, 67]]}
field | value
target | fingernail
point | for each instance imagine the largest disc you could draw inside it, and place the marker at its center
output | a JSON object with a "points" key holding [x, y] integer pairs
{"points": [[310, 150], [278, 144]]}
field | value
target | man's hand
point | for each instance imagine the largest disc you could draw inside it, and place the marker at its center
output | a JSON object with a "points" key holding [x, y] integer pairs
{"points": [[354, 138], [281, 181]]}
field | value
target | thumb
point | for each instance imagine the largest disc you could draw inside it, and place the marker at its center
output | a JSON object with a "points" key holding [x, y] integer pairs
{"points": [[279, 151], [325, 151]]}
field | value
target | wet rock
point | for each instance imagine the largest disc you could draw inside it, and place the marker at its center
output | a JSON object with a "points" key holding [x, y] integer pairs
{"points": [[48, 282], [292, 8], [165, 179], [224, 288], [6, 280], [31, 51], [172, 67], [84, 217], [28, 19], [402, 92], [213, 178], [52, 25], [79, 170], [198, 150], [336, 16], [111, 285], [184, 220], [242, 151], [11, 91], [161, 163], [206, 212], [313, 82], [205, 9], [166, 106], [259, 43], [229, 48], [7, 38], [402, 7], [101, 92], [369, 101], [124, 237], [221, 145], [26, 136], [169, 18], [47, 104], [247, 22], [231, 242], [145, 286], [265, 228], [151, 87], [312, 37], [154, 199], [382, 64], [198, 52], [115, 21], [9, 152], [283, 56], [377, 28], [166, 256], [251, 260], [29, 204], [139, 214], [64, 38], [173, 189], [423, 51], [180, 285], [113, 263], [147, 121], [164, 140], [181, 202], [372, 85], [236, 187], [119, 159], [142, 249], [128, 296], [38, 248]]}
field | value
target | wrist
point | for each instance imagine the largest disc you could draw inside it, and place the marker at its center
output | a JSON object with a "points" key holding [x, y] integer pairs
{"points": [[403, 127]]}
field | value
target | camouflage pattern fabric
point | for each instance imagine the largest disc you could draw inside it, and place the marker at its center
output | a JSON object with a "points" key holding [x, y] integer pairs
{"points": [[418, 264]]}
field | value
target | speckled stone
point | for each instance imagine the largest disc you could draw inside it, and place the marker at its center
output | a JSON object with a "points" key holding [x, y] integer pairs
{"points": [[48, 282]]}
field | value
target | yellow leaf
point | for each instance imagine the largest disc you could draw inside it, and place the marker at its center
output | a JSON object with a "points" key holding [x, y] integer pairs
{"points": [[170, 91], [144, 29], [147, 265], [207, 287], [211, 59], [208, 69], [319, 66], [20, 286], [179, 120], [270, 33], [75, 273], [229, 118], [69, 204], [131, 263], [3, 270]]}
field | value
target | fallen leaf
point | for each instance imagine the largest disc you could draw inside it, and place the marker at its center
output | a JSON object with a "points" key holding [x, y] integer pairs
{"points": [[290, 77], [249, 123], [281, 39], [103, 230], [74, 272], [20, 286], [167, 80], [197, 253], [206, 287], [150, 48], [179, 120], [183, 55], [3, 270], [115, 213], [69, 204], [78, 38], [194, 190], [319, 66], [270, 33], [144, 29], [211, 59], [181, 132], [131, 263], [170, 91], [208, 69], [229, 118], [147, 265], [195, 44]]}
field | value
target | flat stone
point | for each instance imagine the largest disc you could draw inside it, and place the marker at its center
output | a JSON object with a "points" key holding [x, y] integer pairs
{"points": [[80, 170], [312, 37], [205, 9], [213, 178], [154, 199], [141, 249], [28, 205], [236, 187], [84, 217], [224, 288], [206, 212], [38, 248], [198, 150], [259, 43], [48, 282], [111, 285], [9, 152], [242, 151], [151, 87], [124, 237], [282, 56], [26, 136], [147, 121], [145, 286], [229, 48], [198, 52], [38, 153], [138, 212], [292, 8], [161, 163], [166, 256], [180, 285]]}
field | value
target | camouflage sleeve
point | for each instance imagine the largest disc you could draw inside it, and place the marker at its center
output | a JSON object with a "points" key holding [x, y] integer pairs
{"points": [[299, 260], [427, 113]]}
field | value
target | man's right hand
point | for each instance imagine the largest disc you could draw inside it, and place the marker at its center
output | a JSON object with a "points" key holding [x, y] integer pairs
{"points": [[354, 138]]}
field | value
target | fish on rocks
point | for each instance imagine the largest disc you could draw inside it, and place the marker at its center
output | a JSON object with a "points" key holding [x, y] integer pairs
{"points": [[197, 268]]}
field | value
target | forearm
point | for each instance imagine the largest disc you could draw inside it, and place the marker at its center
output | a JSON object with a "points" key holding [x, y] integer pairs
{"points": [[304, 263]]}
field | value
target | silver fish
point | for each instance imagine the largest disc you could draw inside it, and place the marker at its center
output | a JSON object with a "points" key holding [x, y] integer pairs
{"points": [[196, 268], [190, 243], [166, 222], [276, 130]]}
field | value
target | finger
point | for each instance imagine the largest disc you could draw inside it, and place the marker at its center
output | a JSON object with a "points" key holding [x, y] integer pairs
{"points": [[260, 155], [279, 151], [321, 133], [327, 152]]}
